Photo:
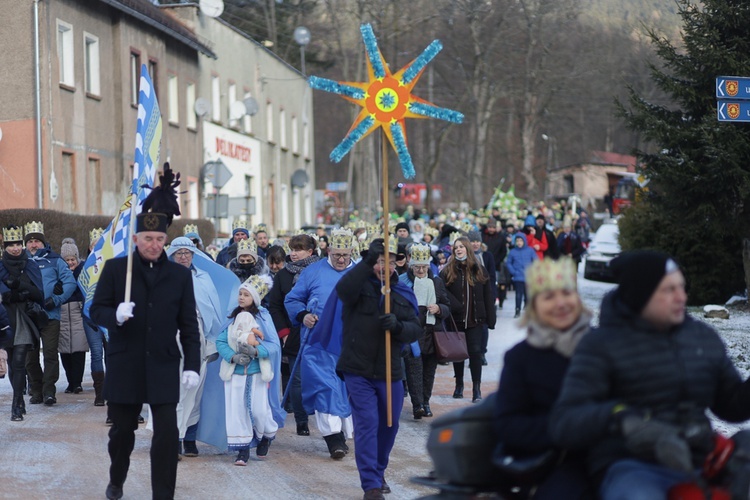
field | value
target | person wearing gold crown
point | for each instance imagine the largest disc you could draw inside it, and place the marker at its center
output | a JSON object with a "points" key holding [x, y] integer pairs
{"points": [[533, 371], [143, 358], [248, 262], [304, 304], [261, 239], [94, 236], [59, 285], [239, 233], [20, 284]]}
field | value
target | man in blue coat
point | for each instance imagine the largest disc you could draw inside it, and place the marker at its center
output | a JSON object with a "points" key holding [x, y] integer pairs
{"points": [[143, 358], [59, 285]]}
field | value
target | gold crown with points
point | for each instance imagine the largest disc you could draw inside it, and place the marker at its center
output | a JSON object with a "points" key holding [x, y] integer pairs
{"points": [[392, 243], [548, 274], [247, 247], [12, 234], [33, 227], [341, 239], [432, 231], [239, 224], [454, 236], [95, 234], [420, 254], [261, 228], [258, 286], [190, 228]]}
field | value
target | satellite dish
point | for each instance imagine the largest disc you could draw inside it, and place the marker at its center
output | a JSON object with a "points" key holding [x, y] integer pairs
{"points": [[301, 35], [237, 110], [201, 107], [211, 8], [299, 178], [251, 106]]}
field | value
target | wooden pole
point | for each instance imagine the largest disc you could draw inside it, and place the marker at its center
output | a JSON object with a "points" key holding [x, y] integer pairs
{"points": [[387, 286], [131, 232]]}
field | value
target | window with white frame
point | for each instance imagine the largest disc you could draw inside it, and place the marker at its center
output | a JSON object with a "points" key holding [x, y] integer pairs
{"points": [[215, 98], [247, 122], [174, 100], [231, 97], [295, 135], [135, 77], [65, 53], [282, 128], [190, 106], [269, 121], [305, 140], [91, 63]]}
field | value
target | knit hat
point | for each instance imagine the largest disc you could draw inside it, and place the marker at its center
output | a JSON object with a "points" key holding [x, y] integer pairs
{"points": [[548, 274], [179, 243], [402, 225], [240, 225], [69, 249], [420, 255], [639, 273], [247, 247], [474, 236], [257, 286], [34, 230]]}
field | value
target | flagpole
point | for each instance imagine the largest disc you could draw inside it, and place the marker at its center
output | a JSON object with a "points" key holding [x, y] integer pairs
{"points": [[387, 287], [131, 232]]}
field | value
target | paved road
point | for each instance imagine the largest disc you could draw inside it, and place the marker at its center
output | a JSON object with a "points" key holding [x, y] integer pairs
{"points": [[60, 451]]}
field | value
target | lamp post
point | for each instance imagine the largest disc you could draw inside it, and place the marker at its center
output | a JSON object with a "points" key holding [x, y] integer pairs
{"points": [[302, 37]]}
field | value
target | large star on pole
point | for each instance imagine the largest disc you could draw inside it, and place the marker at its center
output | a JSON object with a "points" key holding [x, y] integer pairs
{"points": [[386, 100]]}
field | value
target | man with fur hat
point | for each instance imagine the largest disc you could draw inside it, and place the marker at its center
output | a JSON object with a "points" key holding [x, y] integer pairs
{"points": [[304, 304], [59, 285], [143, 356], [638, 387], [239, 233]]}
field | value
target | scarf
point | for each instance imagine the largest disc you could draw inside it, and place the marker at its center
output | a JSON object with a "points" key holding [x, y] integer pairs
{"points": [[15, 265], [296, 267], [563, 342], [424, 289]]}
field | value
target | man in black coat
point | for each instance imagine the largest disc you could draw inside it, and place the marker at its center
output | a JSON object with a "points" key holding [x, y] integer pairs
{"points": [[542, 232], [143, 358], [637, 389]]}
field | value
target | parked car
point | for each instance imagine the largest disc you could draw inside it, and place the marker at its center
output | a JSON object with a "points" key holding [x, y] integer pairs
{"points": [[603, 248]]}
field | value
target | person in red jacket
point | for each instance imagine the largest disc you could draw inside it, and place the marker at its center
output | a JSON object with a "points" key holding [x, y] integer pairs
{"points": [[539, 246]]}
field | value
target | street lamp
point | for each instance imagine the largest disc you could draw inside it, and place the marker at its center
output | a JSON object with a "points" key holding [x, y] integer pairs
{"points": [[302, 37]]}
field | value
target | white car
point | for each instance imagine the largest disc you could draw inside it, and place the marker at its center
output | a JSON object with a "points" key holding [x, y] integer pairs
{"points": [[603, 248]]}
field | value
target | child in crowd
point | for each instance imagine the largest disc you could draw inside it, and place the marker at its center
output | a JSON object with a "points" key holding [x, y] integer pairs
{"points": [[247, 369], [519, 258]]}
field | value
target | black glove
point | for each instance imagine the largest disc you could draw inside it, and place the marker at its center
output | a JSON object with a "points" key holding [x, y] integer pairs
{"points": [[58, 290], [12, 283], [376, 249], [7, 297], [241, 359], [390, 322], [49, 304], [14, 296]]}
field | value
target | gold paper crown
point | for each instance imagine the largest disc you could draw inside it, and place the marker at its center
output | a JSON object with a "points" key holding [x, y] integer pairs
{"points": [[355, 249], [453, 237], [361, 224], [190, 228], [545, 275], [341, 239], [213, 252], [247, 246], [420, 254], [33, 227], [261, 228], [239, 224], [12, 234], [258, 284], [351, 225], [392, 243], [466, 227], [432, 231], [95, 234]]}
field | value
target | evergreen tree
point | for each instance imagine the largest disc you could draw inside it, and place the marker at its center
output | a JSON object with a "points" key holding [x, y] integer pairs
{"points": [[698, 205]]}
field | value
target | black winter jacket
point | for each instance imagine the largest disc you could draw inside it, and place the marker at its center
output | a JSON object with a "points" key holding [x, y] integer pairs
{"points": [[483, 302], [282, 285], [363, 345], [674, 374]]}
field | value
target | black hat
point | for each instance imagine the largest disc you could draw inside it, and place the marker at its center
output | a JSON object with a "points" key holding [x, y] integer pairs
{"points": [[161, 205], [639, 274], [402, 225]]}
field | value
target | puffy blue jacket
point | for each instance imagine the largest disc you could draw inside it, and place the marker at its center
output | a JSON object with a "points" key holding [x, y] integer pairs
{"points": [[520, 258], [54, 269]]}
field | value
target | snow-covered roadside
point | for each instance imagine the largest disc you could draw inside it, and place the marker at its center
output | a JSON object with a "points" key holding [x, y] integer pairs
{"points": [[735, 332]]}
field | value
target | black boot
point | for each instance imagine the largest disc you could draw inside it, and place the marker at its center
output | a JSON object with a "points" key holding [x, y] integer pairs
{"points": [[16, 413], [335, 444], [476, 392], [459, 392], [419, 412], [98, 378], [518, 313]]}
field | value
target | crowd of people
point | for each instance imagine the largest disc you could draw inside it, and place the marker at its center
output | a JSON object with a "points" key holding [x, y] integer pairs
{"points": [[222, 344]]}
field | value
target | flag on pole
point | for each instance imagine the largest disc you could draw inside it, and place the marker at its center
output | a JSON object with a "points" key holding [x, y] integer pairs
{"points": [[114, 241]]}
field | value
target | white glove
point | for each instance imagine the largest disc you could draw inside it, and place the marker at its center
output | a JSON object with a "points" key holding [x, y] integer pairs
{"points": [[124, 312], [190, 379]]}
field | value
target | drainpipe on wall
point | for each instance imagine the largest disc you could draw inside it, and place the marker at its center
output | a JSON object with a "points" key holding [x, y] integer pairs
{"points": [[38, 110]]}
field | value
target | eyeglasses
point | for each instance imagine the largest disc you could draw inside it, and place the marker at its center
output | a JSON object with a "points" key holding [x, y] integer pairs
{"points": [[182, 254], [340, 256], [420, 267]]}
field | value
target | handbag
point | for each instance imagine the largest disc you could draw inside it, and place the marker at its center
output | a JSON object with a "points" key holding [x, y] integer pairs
{"points": [[450, 345]]}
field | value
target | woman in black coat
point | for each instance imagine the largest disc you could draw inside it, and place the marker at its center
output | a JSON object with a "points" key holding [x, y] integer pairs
{"points": [[472, 306], [533, 372]]}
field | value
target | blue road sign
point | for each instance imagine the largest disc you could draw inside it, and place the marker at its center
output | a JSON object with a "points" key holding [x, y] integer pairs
{"points": [[732, 87], [733, 111]]}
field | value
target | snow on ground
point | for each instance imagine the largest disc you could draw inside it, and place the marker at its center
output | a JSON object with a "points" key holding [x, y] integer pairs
{"points": [[734, 331]]}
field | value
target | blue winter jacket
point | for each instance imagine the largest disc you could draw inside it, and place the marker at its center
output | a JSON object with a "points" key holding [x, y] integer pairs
{"points": [[54, 269], [520, 258]]}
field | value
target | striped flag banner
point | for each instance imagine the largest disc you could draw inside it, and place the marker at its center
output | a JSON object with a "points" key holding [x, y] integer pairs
{"points": [[114, 241]]}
